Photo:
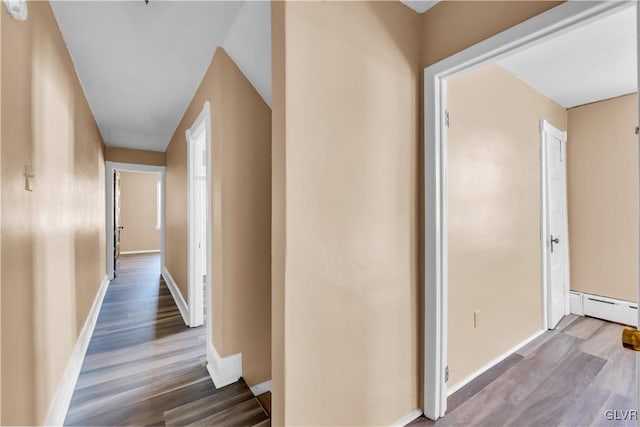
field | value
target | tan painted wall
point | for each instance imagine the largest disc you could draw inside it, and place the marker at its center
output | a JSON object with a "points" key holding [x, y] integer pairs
{"points": [[176, 216], [493, 214], [602, 186], [349, 94], [452, 26], [57, 232], [129, 155], [138, 210], [241, 206], [278, 210], [446, 29]]}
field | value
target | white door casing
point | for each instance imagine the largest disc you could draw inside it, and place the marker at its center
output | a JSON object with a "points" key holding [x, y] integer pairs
{"points": [[198, 249], [638, 124], [110, 167], [555, 243], [555, 21]]}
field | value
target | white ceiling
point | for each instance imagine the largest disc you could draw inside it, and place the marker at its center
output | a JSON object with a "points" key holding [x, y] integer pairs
{"points": [[140, 65], [249, 44], [420, 6], [588, 64]]}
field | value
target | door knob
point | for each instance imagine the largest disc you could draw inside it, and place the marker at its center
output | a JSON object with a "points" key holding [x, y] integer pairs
{"points": [[631, 339], [554, 240]]}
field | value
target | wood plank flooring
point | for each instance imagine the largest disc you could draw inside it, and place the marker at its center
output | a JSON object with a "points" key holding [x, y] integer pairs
{"points": [[145, 367], [569, 376]]}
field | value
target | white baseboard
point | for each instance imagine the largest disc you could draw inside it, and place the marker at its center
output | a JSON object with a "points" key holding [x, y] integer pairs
{"points": [[223, 370], [611, 309], [176, 294], [62, 399], [407, 418], [150, 251], [476, 374], [261, 388]]}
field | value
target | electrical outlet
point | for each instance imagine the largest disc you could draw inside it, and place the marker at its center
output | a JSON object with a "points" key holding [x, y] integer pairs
{"points": [[476, 319]]}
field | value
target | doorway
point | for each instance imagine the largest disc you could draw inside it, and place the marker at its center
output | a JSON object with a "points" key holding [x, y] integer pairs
{"points": [[543, 27], [115, 225], [555, 236], [199, 244]]}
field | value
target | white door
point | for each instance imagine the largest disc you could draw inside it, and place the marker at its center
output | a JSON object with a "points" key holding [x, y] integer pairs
{"points": [[201, 197], [556, 239], [197, 249]]}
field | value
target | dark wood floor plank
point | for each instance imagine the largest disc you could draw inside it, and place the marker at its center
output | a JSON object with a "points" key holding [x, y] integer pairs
{"points": [[265, 401], [211, 404], [247, 413]]}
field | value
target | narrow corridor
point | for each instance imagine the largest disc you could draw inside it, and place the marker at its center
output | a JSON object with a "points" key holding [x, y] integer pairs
{"points": [[144, 366]]}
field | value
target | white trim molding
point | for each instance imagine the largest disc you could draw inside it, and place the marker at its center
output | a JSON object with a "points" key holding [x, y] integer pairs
{"points": [[176, 294], [466, 380], [194, 278], [223, 370], [416, 413], [261, 388], [562, 18], [62, 399], [150, 251]]}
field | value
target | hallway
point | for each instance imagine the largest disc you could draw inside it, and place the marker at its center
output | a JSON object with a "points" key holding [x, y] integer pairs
{"points": [[145, 367]]}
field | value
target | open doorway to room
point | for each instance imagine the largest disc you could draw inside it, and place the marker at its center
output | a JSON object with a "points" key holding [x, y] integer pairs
{"points": [[532, 184], [135, 212], [199, 217]]}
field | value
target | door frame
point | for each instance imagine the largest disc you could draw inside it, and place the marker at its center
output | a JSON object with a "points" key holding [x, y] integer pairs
{"points": [[638, 124], [195, 294], [553, 22], [110, 167], [545, 127]]}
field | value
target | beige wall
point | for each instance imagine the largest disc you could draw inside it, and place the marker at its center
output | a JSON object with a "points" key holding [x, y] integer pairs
{"points": [[138, 210], [57, 232], [278, 209], [129, 155], [341, 76], [347, 83], [452, 26], [176, 215], [602, 186], [494, 214], [241, 206]]}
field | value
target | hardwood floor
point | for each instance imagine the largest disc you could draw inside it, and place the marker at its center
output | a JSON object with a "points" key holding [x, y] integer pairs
{"points": [[265, 401], [569, 376], [145, 367]]}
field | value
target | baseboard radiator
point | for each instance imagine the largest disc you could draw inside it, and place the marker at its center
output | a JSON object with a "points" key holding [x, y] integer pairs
{"points": [[611, 309]]}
